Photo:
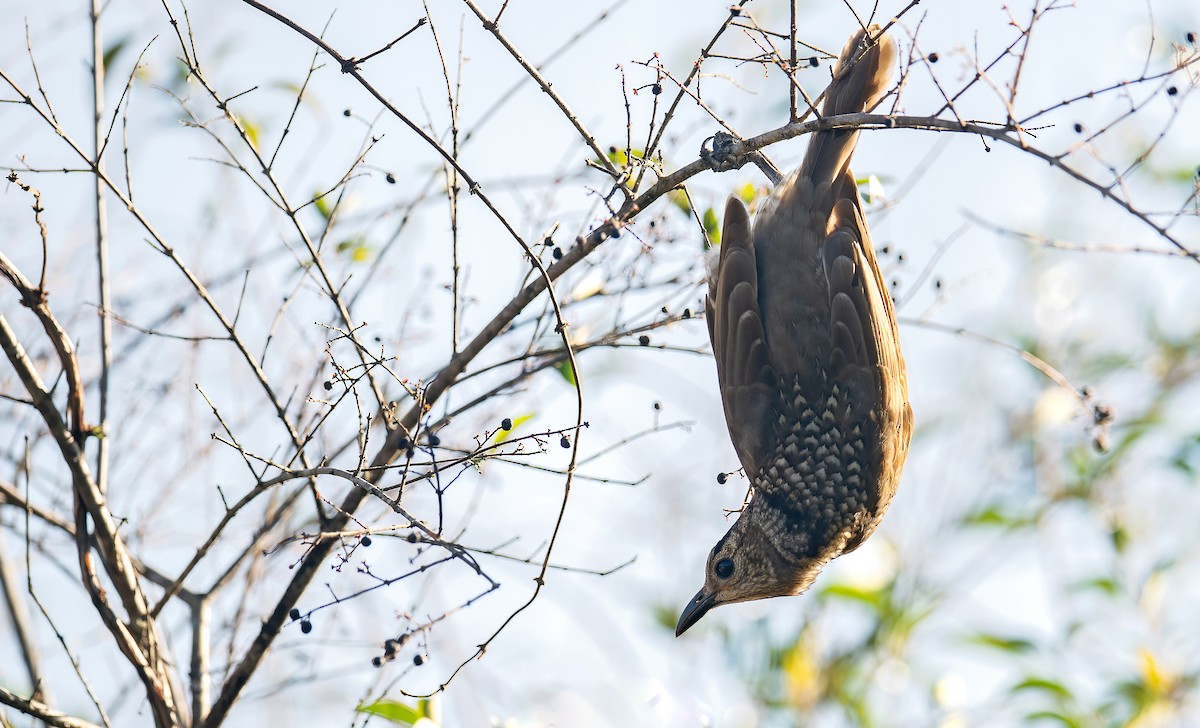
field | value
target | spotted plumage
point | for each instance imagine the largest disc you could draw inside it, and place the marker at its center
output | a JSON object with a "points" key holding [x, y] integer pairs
{"points": [[808, 361]]}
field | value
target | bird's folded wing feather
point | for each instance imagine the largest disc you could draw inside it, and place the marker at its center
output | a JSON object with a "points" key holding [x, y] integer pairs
{"points": [[735, 328], [864, 354], [876, 316]]}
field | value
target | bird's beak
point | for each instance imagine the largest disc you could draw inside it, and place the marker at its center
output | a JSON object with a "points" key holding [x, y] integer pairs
{"points": [[695, 609]]}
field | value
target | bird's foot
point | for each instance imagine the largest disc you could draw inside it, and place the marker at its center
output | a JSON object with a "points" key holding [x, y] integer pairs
{"points": [[722, 152]]}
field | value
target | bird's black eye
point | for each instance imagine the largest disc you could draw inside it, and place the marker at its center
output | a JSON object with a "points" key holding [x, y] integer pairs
{"points": [[724, 568]]}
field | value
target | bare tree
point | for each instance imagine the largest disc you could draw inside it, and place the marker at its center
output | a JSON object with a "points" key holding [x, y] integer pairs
{"points": [[296, 341]]}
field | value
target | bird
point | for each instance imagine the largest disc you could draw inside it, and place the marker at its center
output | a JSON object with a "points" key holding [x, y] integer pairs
{"points": [[807, 351]]}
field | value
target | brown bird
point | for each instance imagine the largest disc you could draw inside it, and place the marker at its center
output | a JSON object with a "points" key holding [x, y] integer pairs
{"points": [[808, 361]]}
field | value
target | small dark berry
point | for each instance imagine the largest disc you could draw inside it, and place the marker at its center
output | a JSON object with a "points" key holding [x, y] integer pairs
{"points": [[548, 242], [644, 340], [666, 311], [813, 62], [409, 453], [434, 440], [612, 150], [735, 10], [366, 541], [1171, 91], [412, 536], [306, 626], [565, 443], [933, 57], [294, 614], [403, 444], [557, 253], [900, 257], [721, 478], [391, 178], [658, 405], [656, 89], [328, 385], [937, 283], [347, 112], [687, 313], [885, 249], [1078, 128], [506, 424], [377, 661], [1191, 37], [418, 660]]}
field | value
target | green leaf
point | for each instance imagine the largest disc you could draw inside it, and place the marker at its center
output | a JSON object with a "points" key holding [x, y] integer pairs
{"points": [[502, 435], [679, 198], [1103, 584], [994, 515], [1055, 716], [1119, 537], [393, 711], [747, 193], [617, 155], [866, 181], [712, 226], [251, 129], [987, 516], [567, 371], [666, 616], [869, 597], [1014, 645], [111, 53], [1184, 174], [180, 78], [424, 708], [322, 205], [307, 97], [1041, 684], [355, 248]]}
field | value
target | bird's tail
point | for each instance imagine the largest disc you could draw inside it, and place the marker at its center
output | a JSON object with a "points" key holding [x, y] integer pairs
{"points": [[861, 77]]}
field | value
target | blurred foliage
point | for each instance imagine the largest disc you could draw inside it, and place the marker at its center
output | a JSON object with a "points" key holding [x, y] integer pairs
{"points": [[420, 715], [504, 433], [566, 371], [357, 249]]}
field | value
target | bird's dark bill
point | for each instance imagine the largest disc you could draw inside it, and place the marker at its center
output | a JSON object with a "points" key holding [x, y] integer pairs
{"points": [[695, 609]]}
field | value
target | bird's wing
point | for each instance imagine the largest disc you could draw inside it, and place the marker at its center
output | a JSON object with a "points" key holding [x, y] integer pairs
{"points": [[739, 344], [864, 350]]}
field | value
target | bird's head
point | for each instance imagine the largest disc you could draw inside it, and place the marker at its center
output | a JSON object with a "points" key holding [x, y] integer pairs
{"points": [[746, 565]]}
